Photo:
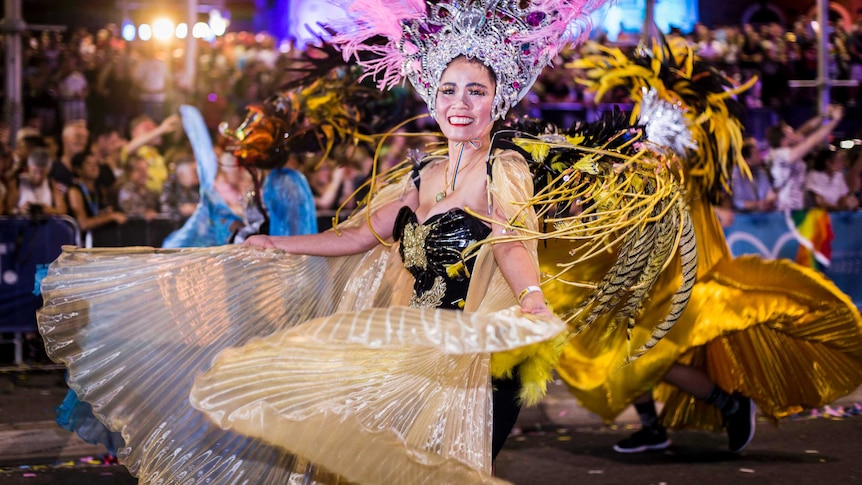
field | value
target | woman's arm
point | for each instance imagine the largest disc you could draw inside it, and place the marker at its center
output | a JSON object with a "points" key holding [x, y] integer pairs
{"points": [[59, 207], [350, 240], [522, 275], [518, 264], [85, 222]]}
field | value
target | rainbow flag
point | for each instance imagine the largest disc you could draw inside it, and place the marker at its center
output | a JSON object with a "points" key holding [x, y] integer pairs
{"points": [[813, 230]]}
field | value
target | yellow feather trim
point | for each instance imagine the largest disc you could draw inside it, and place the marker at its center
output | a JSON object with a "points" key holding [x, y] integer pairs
{"points": [[535, 365]]}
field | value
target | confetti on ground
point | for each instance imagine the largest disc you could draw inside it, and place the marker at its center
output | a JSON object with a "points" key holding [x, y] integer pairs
{"points": [[564, 438], [596, 472], [29, 475], [746, 470], [812, 452]]}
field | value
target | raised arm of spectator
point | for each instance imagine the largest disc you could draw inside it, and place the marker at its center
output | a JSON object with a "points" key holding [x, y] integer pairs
{"points": [[170, 124], [834, 115]]}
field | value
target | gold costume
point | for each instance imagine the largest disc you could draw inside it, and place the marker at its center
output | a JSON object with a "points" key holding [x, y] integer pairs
{"points": [[325, 362], [779, 333], [775, 331]]}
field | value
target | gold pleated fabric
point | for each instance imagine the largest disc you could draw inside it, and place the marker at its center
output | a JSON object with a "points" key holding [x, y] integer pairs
{"points": [[308, 369], [780, 333]]}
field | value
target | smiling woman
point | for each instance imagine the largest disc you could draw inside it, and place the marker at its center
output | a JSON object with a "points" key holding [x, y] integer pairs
{"points": [[362, 354]]}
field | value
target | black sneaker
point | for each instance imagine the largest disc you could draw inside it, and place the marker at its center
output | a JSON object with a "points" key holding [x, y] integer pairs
{"points": [[644, 440], [740, 425]]}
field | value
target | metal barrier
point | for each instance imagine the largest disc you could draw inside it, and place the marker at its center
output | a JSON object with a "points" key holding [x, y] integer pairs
{"points": [[27, 246], [767, 234], [137, 231]]}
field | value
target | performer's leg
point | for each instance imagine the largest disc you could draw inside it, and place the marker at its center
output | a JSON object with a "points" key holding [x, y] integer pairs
{"points": [[506, 410], [738, 410], [652, 435]]}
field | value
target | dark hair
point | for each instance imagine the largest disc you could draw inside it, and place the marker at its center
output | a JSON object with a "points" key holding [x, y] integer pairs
{"points": [[78, 160], [33, 141], [774, 136], [821, 158]]}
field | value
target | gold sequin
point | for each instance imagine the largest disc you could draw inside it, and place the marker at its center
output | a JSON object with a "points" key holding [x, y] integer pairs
{"points": [[413, 245], [432, 298]]}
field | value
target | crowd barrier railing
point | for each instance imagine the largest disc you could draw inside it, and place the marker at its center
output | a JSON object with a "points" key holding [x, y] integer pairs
{"points": [[27, 245], [768, 234], [136, 231]]}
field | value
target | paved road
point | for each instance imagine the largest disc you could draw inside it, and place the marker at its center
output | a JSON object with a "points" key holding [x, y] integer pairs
{"points": [[556, 443]]}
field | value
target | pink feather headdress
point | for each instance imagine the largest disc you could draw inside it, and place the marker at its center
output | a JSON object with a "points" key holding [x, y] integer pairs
{"points": [[515, 38]]}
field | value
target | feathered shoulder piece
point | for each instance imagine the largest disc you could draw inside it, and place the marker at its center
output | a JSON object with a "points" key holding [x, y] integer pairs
{"points": [[603, 188], [683, 102]]}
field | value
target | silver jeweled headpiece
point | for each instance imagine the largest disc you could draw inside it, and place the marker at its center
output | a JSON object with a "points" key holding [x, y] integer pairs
{"points": [[515, 38]]}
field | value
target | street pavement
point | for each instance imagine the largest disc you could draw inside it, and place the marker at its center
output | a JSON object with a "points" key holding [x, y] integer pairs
{"points": [[556, 442]]}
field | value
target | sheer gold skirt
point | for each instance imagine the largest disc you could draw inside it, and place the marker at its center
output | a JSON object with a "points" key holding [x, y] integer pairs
{"points": [[780, 333]]}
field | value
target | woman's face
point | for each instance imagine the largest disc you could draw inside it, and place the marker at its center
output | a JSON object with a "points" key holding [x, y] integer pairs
{"points": [[464, 101], [89, 169]]}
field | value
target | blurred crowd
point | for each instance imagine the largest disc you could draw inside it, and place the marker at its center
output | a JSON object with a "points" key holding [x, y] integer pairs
{"points": [[770, 52], [101, 141]]}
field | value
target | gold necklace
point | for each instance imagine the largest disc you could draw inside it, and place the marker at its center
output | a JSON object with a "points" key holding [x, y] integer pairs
{"points": [[443, 193]]}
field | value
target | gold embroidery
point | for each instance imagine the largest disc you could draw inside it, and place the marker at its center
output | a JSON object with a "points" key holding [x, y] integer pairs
{"points": [[413, 245], [432, 298]]}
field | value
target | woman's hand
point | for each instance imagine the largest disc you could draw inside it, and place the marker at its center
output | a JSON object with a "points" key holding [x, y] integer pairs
{"points": [[533, 303], [261, 241]]}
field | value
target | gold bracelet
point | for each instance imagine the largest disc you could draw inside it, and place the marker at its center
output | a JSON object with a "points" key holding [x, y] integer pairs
{"points": [[526, 291]]}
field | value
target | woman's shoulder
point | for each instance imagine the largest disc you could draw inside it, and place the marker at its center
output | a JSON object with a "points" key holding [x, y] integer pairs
{"points": [[508, 155]]}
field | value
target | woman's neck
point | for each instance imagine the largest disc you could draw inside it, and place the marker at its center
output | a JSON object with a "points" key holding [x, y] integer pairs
{"points": [[468, 152]]}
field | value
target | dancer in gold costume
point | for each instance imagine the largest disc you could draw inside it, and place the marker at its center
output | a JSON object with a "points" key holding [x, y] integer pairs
{"points": [[771, 332]]}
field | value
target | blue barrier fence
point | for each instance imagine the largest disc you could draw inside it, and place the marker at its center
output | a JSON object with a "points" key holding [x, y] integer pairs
{"points": [[768, 235]]}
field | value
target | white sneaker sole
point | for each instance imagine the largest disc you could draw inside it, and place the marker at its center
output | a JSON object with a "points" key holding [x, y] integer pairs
{"points": [[640, 449], [752, 423]]}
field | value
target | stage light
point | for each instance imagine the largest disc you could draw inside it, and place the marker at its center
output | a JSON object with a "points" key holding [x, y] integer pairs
{"points": [[163, 29], [182, 30], [128, 31], [202, 31], [145, 32], [217, 23], [847, 144]]}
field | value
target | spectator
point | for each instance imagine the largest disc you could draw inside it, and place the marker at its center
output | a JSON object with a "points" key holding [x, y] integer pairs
{"points": [[826, 182], [6, 162], [756, 193], [786, 151], [72, 90], [25, 141], [135, 198], [82, 198], [114, 83], [107, 149], [33, 192], [75, 137], [151, 78], [146, 138], [181, 193]]}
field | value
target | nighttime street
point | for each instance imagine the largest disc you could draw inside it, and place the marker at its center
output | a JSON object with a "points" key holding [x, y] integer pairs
{"points": [[296, 242], [556, 442]]}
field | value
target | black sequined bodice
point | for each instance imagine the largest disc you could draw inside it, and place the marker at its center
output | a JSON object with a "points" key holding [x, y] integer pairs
{"points": [[431, 251]]}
